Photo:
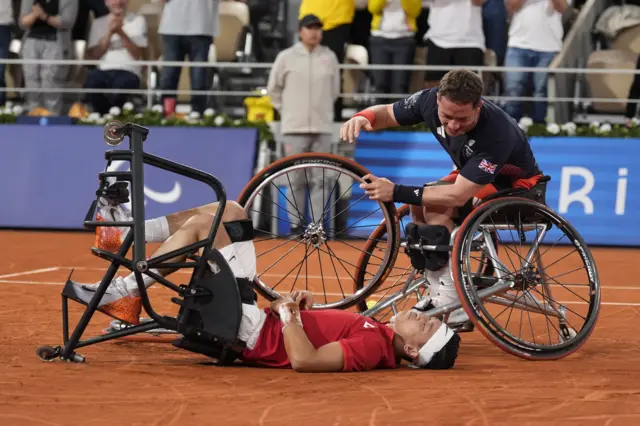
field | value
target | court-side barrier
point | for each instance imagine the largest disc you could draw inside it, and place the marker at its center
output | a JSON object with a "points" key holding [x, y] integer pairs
{"points": [[595, 182], [49, 174]]}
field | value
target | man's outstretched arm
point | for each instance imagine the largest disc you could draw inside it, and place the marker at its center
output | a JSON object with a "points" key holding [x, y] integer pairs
{"points": [[373, 118], [406, 112]]}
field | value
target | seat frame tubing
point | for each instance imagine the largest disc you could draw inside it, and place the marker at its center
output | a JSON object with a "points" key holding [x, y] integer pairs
{"points": [[139, 264]]}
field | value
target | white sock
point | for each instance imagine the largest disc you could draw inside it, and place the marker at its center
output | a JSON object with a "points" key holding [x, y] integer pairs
{"points": [[156, 230], [132, 285]]}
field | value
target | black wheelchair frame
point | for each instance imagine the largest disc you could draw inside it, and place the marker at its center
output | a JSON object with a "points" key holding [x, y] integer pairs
{"points": [[115, 133]]}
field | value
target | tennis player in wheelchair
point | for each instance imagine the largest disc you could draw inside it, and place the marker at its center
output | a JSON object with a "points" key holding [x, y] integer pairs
{"points": [[288, 333], [490, 152]]}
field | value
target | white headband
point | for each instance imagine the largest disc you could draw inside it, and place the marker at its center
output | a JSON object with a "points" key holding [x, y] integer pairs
{"points": [[433, 345]]}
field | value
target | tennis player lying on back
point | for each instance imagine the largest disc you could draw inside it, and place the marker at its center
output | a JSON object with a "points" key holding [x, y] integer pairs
{"points": [[288, 333]]}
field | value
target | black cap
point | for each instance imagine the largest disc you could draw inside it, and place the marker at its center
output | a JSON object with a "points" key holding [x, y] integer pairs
{"points": [[310, 21]]}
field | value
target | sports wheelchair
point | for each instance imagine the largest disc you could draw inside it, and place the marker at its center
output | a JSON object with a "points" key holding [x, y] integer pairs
{"points": [[210, 311], [366, 270]]}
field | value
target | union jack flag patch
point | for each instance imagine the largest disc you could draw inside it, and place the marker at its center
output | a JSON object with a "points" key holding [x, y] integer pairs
{"points": [[487, 166]]}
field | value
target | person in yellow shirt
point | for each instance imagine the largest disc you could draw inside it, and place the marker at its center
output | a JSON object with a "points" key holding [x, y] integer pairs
{"points": [[336, 16], [392, 41]]}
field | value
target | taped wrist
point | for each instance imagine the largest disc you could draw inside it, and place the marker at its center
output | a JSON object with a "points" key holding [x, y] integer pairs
{"points": [[408, 194], [289, 314]]}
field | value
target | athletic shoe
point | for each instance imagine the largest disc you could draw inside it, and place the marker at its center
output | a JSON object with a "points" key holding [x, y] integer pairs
{"points": [[116, 301], [441, 294], [110, 238]]}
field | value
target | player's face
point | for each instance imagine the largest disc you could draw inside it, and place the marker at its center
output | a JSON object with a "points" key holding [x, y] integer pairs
{"points": [[415, 327], [457, 119], [311, 35]]}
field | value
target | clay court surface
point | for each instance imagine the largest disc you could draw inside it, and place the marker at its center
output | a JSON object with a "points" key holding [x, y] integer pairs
{"points": [[128, 383]]}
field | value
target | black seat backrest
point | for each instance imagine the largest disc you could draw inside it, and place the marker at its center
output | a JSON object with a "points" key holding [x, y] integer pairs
{"points": [[211, 311]]}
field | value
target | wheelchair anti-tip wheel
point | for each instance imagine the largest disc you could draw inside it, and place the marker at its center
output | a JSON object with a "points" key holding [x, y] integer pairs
{"points": [[401, 274], [312, 222], [552, 298]]}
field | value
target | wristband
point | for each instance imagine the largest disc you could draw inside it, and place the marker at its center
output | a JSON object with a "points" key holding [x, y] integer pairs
{"points": [[408, 194], [369, 115], [289, 314]]}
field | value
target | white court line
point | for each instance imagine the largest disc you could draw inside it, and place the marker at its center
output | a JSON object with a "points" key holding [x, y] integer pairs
{"points": [[317, 293], [317, 277], [33, 271]]}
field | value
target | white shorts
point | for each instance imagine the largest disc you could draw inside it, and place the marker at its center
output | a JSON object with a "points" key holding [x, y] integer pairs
{"points": [[241, 257]]}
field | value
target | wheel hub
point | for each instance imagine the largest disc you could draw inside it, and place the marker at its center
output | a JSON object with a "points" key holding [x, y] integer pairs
{"points": [[527, 278], [315, 234]]}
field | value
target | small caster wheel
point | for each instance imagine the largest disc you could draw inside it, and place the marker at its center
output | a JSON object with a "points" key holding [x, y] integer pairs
{"points": [[48, 353], [112, 134], [566, 333]]}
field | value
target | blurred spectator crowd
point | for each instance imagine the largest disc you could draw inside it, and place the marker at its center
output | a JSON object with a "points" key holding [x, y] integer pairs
{"points": [[437, 33]]}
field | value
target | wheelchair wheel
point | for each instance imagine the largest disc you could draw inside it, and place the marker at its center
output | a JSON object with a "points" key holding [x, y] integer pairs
{"points": [[312, 223], [534, 307], [399, 274]]}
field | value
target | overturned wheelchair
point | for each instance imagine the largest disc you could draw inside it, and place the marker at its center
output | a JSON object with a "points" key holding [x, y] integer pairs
{"points": [[210, 311], [524, 276]]}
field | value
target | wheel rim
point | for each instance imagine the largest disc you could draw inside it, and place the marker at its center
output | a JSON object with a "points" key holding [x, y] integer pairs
{"points": [[536, 278], [316, 234]]}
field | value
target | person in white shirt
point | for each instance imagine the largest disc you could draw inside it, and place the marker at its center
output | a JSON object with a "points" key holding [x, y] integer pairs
{"points": [[455, 36], [535, 37], [117, 40], [188, 27]]}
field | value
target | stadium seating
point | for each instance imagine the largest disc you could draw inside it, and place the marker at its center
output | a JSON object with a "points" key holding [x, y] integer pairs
{"points": [[610, 85]]}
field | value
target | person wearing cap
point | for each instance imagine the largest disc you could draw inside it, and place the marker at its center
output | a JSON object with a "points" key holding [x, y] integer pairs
{"points": [[337, 18], [303, 84]]}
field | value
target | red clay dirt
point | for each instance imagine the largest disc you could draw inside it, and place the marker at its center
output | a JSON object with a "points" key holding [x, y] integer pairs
{"points": [[156, 384]]}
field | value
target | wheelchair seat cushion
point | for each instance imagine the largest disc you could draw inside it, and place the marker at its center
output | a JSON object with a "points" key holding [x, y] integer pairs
{"points": [[533, 188]]}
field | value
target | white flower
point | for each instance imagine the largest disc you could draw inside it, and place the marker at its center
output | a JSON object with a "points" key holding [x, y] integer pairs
{"points": [[157, 108], [128, 106], [605, 128], [635, 121], [7, 110], [17, 110], [100, 120], [553, 128], [163, 122], [209, 112], [194, 115], [94, 116], [139, 115], [9, 104], [115, 111], [107, 117], [523, 127], [237, 122], [594, 124], [570, 128], [526, 122], [219, 121]]}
